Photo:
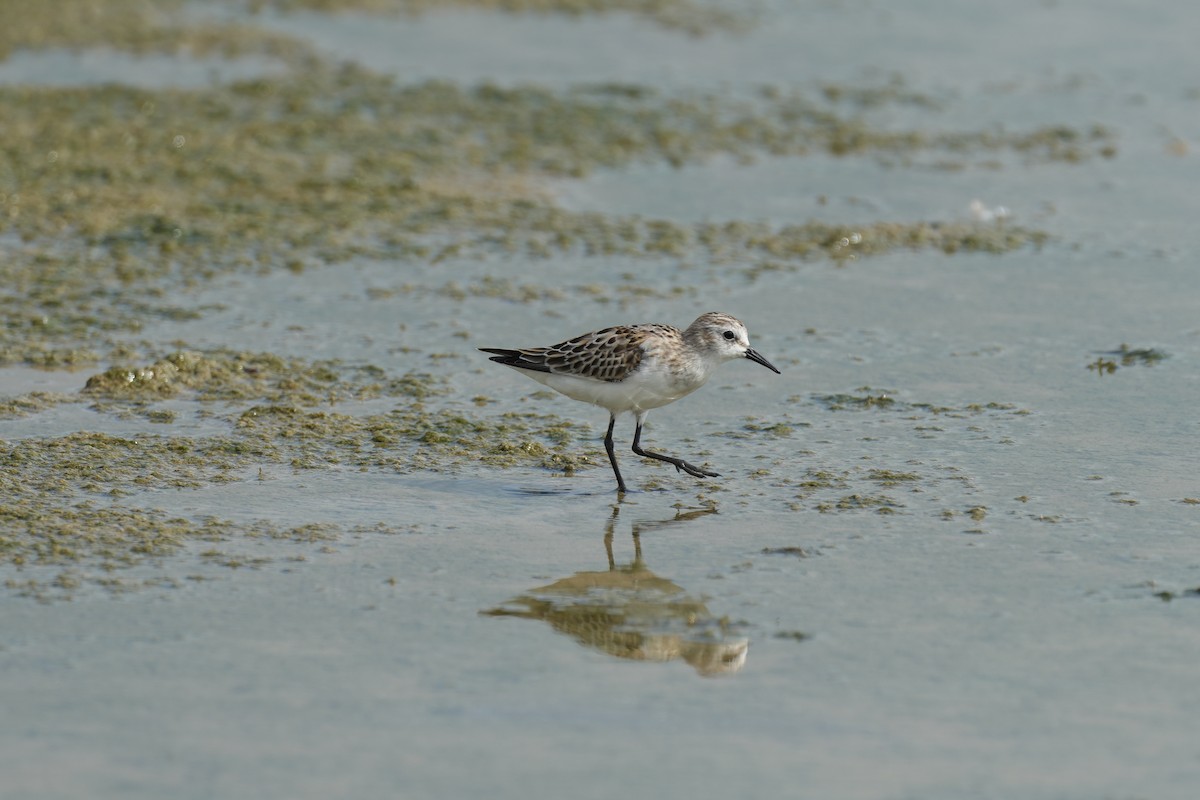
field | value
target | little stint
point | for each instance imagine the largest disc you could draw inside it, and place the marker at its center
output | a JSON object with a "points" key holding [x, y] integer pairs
{"points": [[636, 368]]}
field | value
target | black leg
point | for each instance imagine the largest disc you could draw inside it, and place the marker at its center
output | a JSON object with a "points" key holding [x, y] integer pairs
{"points": [[678, 462], [612, 457]]}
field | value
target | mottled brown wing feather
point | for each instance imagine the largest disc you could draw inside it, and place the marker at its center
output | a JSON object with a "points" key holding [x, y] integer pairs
{"points": [[611, 354], [605, 355]]}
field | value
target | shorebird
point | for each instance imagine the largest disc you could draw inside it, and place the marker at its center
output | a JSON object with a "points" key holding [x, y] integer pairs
{"points": [[636, 368]]}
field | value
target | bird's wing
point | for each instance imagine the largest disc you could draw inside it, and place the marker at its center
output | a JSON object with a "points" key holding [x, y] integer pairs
{"points": [[608, 355]]}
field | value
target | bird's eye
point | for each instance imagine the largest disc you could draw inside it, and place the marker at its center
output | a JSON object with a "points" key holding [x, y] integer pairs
{"points": [[729, 335]]}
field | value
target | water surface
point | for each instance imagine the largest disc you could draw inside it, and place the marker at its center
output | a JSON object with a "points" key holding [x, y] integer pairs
{"points": [[945, 558]]}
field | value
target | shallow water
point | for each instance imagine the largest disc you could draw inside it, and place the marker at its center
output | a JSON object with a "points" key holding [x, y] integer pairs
{"points": [[987, 590]]}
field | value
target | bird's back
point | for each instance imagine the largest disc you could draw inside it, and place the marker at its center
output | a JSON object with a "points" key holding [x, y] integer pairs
{"points": [[610, 355]]}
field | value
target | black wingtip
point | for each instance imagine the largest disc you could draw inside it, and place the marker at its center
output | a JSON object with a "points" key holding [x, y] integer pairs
{"points": [[513, 358], [500, 356]]}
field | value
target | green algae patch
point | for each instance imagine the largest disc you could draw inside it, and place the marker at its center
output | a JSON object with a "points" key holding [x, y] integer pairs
{"points": [[31, 403], [413, 438], [111, 537], [45, 354], [888, 477], [817, 479], [780, 430], [755, 428], [769, 248], [1167, 596], [880, 504], [238, 376], [1103, 366], [136, 26], [327, 161], [183, 170], [798, 552], [823, 490], [687, 16], [99, 463], [1110, 361], [283, 414], [1145, 356], [231, 377], [867, 399], [57, 551], [864, 400]]}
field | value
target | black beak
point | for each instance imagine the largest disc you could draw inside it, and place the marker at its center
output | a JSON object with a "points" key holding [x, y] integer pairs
{"points": [[757, 358]]}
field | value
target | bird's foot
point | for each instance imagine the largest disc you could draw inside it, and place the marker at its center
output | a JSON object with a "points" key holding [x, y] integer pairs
{"points": [[679, 464], [694, 471]]}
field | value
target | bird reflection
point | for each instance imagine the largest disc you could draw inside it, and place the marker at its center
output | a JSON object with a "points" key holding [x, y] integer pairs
{"points": [[629, 612]]}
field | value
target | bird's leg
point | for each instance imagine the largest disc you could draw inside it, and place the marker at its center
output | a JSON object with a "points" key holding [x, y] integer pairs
{"points": [[679, 463], [612, 456]]}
